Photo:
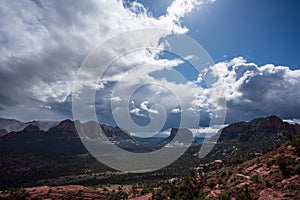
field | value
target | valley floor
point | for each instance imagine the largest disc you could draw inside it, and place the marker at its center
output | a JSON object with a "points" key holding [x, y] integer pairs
{"points": [[274, 175]]}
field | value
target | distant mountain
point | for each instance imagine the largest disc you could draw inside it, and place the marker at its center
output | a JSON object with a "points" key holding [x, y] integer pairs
{"points": [[65, 138], [14, 125], [26, 134], [237, 138], [11, 125], [257, 129], [62, 137], [65, 130], [3, 132], [43, 125], [258, 134]]}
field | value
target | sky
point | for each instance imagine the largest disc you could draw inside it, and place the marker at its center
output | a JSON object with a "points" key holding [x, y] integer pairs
{"points": [[254, 46], [262, 31]]}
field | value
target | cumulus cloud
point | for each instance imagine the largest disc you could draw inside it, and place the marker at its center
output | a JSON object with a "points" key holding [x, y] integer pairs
{"points": [[144, 106], [117, 99], [137, 112], [143, 110], [179, 8], [42, 44], [175, 110], [237, 60], [253, 90], [186, 98]]}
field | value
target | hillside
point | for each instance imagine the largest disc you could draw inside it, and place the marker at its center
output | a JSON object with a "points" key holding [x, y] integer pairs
{"points": [[274, 175], [34, 157], [256, 136]]}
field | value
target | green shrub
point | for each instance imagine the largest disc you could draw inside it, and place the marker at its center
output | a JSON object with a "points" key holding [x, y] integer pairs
{"points": [[297, 169], [269, 163], [255, 178], [268, 184], [283, 164], [244, 195], [211, 184]]}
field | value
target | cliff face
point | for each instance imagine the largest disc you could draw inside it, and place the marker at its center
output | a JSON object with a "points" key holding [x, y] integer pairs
{"points": [[257, 135], [257, 128], [64, 130]]}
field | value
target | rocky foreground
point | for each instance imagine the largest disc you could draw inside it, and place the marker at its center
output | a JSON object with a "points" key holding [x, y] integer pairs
{"points": [[76, 192], [275, 175]]}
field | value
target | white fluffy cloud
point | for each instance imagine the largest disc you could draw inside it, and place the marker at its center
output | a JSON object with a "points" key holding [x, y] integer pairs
{"points": [[253, 90], [250, 91], [144, 106], [176, 110], [42, 44]]}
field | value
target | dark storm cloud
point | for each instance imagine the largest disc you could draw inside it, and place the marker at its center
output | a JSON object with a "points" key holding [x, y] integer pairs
{"points": [[42, 44], [253, 91], [38, 59]]}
